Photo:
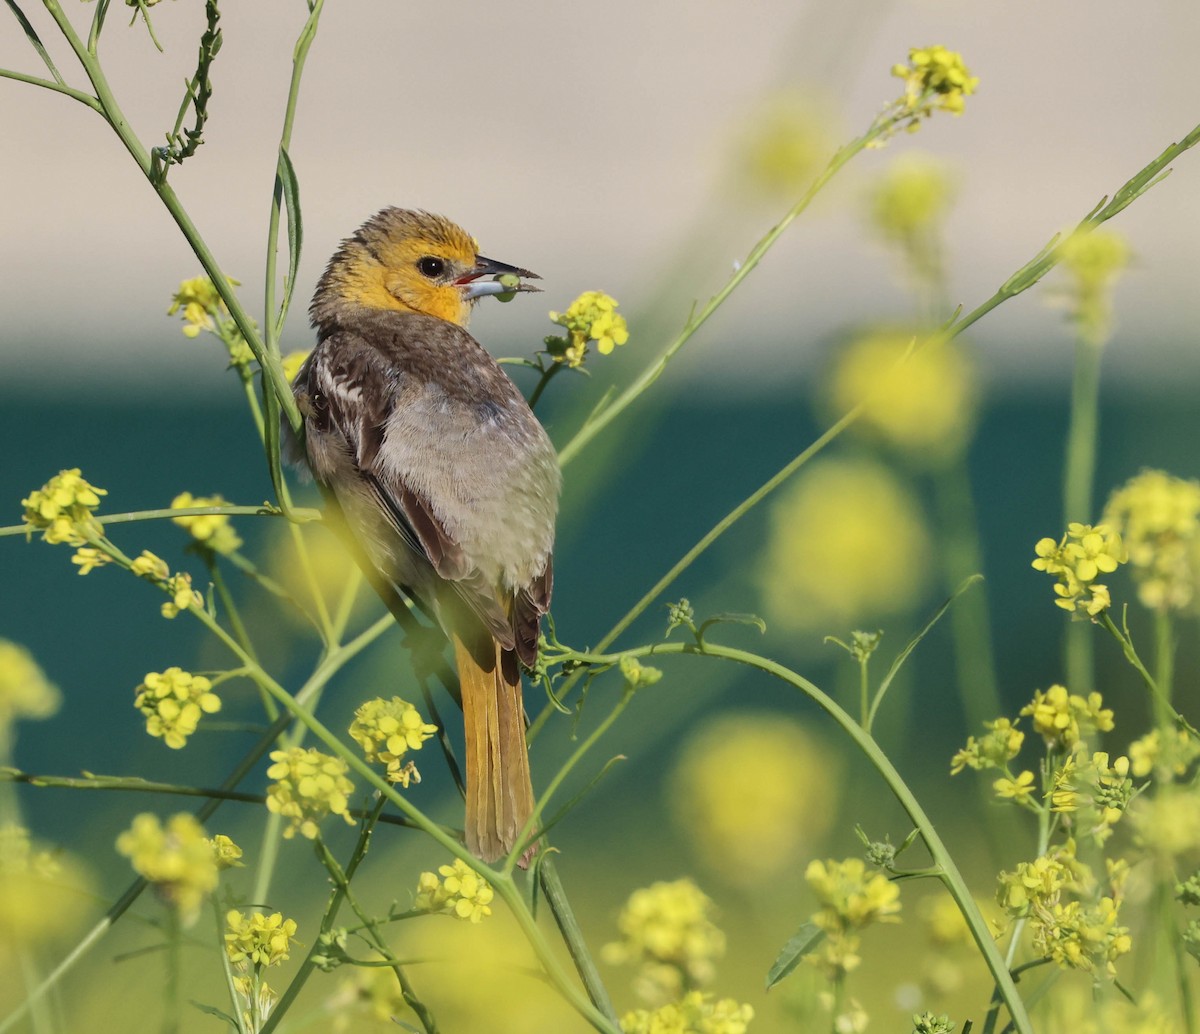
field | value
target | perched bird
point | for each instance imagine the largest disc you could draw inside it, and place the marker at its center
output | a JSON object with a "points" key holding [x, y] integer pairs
{"points": [[446, 479]]}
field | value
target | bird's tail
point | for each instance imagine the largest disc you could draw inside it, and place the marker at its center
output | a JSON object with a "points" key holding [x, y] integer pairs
{"points": [[499, 792]]}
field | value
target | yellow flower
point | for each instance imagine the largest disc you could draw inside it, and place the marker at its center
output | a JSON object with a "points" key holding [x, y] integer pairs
{"points": [[461, 892], [1077, 560], [934, 76], [41, 891], [906, 206], [308, 786], [211, 530], [785, 144], [226, 853], [151, 567], [183, 596], [1172, 757], [733, 793], [846, 544], [25, 692], [293, 361], [695, 1013], [1167, 823], [199, 301], [850, 898], [386, 730], [88, 558], [177, 859], [1019, 790], [1037, 884], [62, 509], [923, 405], [259, 940], [996, 749], [590, 317], [1158, 519], [668, 932], [1079, 935], [173, 702], [1093, 260], [1062, 718]]}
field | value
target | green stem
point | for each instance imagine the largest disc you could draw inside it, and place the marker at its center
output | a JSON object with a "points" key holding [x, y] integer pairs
{"points": [[864, 692], [547, 376], [183, 511], [1078, 488], [85, 99], [171, 992], [572, 935], [272, 321], [1164, 659], [1132, 657]]}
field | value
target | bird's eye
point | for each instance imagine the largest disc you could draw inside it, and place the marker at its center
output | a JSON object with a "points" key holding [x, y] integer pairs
{"points": [[431, 267]]}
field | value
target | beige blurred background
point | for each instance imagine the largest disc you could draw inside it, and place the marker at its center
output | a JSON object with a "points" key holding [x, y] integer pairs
{"points": [[586, 142]]}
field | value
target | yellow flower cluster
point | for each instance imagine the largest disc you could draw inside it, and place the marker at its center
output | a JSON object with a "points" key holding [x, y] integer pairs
{"points": [[1168, 824], [1101, 790], [258, 940], [592, 316], [922, 405], [850, 899], [1063, 718], [1081, 556], [203, 309], [1158, 519], [1169, 753], [36, 905], [226, 853], [695, 1013], [177, 859], [308, 786], [667, 931], [460, 892], [62, 509], [785, 144], [847, 543], [1093, 260], [995, 749], [173, 702], [910, 198], [213, 531], [933, 77], [1078, 933], [386, 730], [199, 300], [733, 793], [178, 586], [25, 692]]}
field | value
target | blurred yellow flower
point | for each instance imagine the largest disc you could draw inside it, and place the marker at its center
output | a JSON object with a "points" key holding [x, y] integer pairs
{"points": [[906, 206], [369, 995], [1158, 519], [784, 144], [177, 859], [25, 692], [923, 406], [667, 930], [695, 1013], [293, 361], [847, 543], [42, 891], [1167, 823], [1093, 260], [733, 793], [324, 556], [213, 531]]}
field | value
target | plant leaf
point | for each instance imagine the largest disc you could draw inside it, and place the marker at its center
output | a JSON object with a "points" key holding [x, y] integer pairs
{"points": [[803, 941]]}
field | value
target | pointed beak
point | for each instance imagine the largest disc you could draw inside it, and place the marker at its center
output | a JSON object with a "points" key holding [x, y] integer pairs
{"points": [[473, 288]]}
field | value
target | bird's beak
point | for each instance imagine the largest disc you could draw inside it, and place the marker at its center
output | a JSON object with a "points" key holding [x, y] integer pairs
{"points": [[472, 287]]}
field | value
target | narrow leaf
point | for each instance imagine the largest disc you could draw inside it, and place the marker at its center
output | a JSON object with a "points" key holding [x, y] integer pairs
{"points": [[35, 41], [291, 203], [805, 940], [212, 1010]]}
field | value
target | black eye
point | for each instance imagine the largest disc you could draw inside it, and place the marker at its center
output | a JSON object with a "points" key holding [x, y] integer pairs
{"points": [[431, 267]]}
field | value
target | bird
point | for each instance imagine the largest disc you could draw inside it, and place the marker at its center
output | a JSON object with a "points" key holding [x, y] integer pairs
{"points": [[447, 482]]}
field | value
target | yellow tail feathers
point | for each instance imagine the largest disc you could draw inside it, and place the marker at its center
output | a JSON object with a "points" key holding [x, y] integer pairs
{"points": [[499, 792]]}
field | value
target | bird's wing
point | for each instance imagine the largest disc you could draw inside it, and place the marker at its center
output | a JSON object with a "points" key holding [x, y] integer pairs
{"points": [[353, 390]]}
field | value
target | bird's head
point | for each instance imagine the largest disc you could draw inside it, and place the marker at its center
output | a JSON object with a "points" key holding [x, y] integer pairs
{"points": [[411, 261]]}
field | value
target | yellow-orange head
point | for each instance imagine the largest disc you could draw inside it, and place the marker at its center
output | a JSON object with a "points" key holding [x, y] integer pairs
{"points": [[408, 261]]}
